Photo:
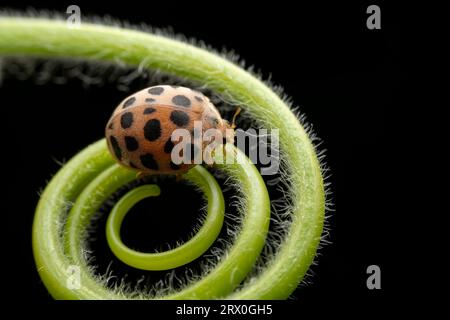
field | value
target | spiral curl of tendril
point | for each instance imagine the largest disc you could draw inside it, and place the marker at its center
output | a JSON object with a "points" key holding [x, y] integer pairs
{"points": [[89, 177]]}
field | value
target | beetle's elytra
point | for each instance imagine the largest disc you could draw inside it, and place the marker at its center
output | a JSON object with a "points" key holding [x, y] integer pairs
{"points": [[139, 132]]}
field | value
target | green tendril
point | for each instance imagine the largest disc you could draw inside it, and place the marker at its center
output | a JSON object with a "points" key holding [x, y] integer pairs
{"points": [[94, 178], [91, 176], [183, 254]]}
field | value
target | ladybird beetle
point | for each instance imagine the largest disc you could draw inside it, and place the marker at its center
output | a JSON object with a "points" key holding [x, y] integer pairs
{"points": [[139, 132]]}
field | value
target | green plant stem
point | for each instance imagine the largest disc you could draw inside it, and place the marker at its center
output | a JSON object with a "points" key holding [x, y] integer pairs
{"points": [[41, 37], [183, 254], [89, 188]]}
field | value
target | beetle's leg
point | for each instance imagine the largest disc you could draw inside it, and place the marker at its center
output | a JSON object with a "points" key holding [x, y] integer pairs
{"points": [[140, 175], [233, 121]]}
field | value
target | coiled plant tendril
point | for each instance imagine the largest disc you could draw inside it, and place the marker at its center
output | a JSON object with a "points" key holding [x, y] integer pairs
{"points": [[91, 176]]}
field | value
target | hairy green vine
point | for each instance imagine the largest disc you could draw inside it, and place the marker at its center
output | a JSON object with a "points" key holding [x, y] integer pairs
{"points": [[181, 255], [91, 176]]}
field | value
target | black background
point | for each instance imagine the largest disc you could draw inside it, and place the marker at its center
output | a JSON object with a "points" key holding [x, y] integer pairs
{"points": [[342, 75]]}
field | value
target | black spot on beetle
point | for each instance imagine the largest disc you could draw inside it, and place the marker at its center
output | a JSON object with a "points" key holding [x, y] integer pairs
{"points": [[126, 120], [198, 99], [116, 147], [149, 161], [149, 110], [180, 118], [152, 130], [129, 102], [181, 101], [156, 90], [168, 146], [174, 166], [131, 143], [150, 100], [111, 125]]}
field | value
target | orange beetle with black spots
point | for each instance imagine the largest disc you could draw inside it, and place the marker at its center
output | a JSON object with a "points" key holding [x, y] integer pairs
{"points": [[139, 132]]}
